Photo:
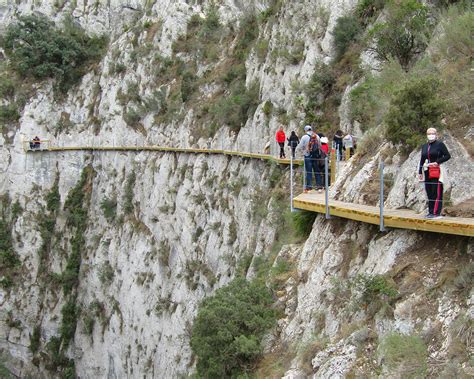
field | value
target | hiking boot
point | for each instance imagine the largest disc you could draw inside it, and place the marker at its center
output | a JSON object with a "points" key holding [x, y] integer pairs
{"points": [[429, 215], [437, 216], [306, 190]]}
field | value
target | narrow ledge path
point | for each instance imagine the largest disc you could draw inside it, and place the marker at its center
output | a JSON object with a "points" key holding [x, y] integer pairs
{"points": [[393, 218]]}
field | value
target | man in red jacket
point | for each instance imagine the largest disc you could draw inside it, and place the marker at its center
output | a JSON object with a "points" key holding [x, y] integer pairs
{"points": [[281, 138]]}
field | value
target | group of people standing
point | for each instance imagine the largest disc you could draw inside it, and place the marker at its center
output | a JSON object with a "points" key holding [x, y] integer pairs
{"points": [[340, 142], [315, 149]]}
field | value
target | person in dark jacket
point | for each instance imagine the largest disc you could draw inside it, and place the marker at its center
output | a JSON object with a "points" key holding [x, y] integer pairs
{"points": [[338, 143], [293, 141], [433, 154]]}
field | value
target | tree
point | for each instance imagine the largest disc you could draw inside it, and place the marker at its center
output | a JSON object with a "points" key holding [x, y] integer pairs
{"points": [[228, 329], [345, 32], [414, 108], [403, 34]]}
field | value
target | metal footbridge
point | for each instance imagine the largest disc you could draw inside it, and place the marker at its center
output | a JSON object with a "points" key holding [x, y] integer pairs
{"points": [[314, 202]]}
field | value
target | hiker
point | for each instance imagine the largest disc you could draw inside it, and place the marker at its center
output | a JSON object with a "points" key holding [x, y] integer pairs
{"points": [[35, 143], [281, 138], [433, 153], [293, 142], [309, 144], [321, 162], [338, 143], [324, 145], [348, 142]]}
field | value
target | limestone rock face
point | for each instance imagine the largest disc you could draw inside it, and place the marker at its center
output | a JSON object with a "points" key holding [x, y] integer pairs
{"points": [[182, 222]]}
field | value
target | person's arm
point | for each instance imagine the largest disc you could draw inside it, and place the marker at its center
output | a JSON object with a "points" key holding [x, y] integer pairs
{"points": [[445, 156], [420, 166], [301, 144]]}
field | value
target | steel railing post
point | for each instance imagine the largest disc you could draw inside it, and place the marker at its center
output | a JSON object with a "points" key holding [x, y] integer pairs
{"points": [[381, 200], [304, 173], [291, 183], [326, 185]]}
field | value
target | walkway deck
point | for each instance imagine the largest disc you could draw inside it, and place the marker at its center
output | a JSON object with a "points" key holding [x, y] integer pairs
{"points": [[404, 219], [399, 218], [177, 150]]}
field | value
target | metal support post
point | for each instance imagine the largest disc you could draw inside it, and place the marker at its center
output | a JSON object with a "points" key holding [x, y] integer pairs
{"points": [[381, 201], [326, 185], [304, 174], [333, 166], [291, 183]]}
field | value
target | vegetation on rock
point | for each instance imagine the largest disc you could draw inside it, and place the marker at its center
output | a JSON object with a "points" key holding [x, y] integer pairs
{"points": [[37, 48], [229, 327]]}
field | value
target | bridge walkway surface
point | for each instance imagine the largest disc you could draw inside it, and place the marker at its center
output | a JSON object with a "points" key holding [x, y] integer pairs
{"points": [[394, 218]]}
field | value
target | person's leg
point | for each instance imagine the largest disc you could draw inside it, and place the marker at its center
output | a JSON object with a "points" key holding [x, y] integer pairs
{"points": [[438, 202], [318, 173], [281, 149], [431, 192], [308, 166]]}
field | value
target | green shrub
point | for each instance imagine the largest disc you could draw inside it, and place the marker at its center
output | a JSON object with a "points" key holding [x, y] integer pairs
{"points": [[403, 34], [4, 372], [248, 32], [320, 85], [69, 314], [365, 103], [53, 199], [406, 356], [345, 32], [9, 113], [371, 288], [7, 87], [39, 49], [109, 207], [188, 85], [303, 222], [267, 108], [128, 201], [367, 9], [226, 335], [8, 257], [235, 109], [106, 273], [6, 282], [414, 108], [35, 339], [451, 52]]}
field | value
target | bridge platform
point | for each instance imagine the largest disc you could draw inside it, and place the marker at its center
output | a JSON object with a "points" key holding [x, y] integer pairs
{"points": [[393, 218]]}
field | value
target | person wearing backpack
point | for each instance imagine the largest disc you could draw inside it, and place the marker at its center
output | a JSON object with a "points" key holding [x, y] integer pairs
{"points": [[293, 142], [309, 144], [281, 138], [433, 154]]}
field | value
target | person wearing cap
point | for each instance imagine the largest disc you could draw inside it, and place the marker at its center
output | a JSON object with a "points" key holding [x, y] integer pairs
{"points": [[308, 162]]}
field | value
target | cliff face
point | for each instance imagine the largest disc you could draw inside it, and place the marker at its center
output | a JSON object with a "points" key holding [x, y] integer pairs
{"points": [[157, 232]]}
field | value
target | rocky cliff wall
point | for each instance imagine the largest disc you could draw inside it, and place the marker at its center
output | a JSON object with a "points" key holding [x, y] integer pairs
{"points": [[180, 224]]}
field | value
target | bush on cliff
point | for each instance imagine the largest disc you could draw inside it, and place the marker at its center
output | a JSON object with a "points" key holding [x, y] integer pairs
{"points": [[37, 48], [414, 108], [227, 332]]}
